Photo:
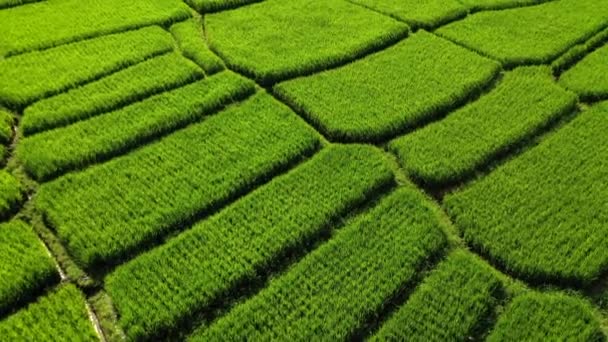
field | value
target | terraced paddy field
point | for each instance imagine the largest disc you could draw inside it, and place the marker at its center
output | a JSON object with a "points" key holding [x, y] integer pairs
{"points": [[304, 170]]}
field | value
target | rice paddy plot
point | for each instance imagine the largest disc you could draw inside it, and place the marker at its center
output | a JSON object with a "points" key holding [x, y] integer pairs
{"points": [[525, 101], [207, 6], [547, 317], [6, 131], [60, 315], [449, 305], [25, 267], [589, 77], [50, 23], [121, 88], [108, 211], [158, 291], [11, 3], [11, 193], [379, 96], [542, 216], [337, 288], [275, 39], [32, 76], [481, 5], [189, 36], [530, 35]]}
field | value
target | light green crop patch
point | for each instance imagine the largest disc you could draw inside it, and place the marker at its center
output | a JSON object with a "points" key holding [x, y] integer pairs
{"points": [[525, 101], [207, 6], [543, 215], [426, 14], [189, 37], [480, 5], [51, 23], [6, 127], [278, 39], [11, 193], [388, 92], [11, 3], [32, 76], [589, 78], [530, 35]]}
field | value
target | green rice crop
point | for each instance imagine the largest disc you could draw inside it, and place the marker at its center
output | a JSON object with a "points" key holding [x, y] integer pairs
{"points": [[276, 39], [29, 77], [25, 266], [482, 5], [11, 3], [526, 100], [416, 13], [121, 88], [107, 212], [53, 152], [336, 288], [358, 102], [543, 215], [59, 316], [547, 317], [449, 305], [60, 22], [579, 51], [530, 35], [6, 126], [158, 290], [11, 193], [588, 77], [207, 6], [191, 42]]}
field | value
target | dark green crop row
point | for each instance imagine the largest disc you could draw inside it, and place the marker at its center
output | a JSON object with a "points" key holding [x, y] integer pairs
{"points": [[159, 289], [276, 39], [32, 76], [543, 215], [207, 6], [547, 317], [121, 88], [25, 266], [189, 37], [11, 193], [588, 77], [53, 152], [525, 101], [51, 23], [482, 5], [6, 131], [338, 287], [579, 51], [59, 316], [530, 35], [11, 3], [107, 211], [383, 94], [449, 305]]}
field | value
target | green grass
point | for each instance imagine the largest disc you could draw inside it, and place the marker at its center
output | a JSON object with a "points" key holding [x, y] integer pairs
{"points": [[416, 13], [54, 152], [588, 77], [547, 317], [530, 35], [207, 6], [359, 102], [29, 77], [6, 126], [59, 316], [108, 211], [189, 37], [525, 101], [482, 5], [450, 304], [12, 3], [160, 289], [11, 193], [60, 22], [275, 39], [542, 216], [121, 88], [579, 51], [338, 287], [25, 266]]}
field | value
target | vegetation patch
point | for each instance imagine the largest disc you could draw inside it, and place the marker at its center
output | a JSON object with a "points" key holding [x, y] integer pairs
{"points": [[11, 193], [207, 6], [588, 77], [189, 35]]}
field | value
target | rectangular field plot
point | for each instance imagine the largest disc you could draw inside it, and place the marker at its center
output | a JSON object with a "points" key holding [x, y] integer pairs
{"points": [[589, 78], [108, 211], [125, 86], [446, 151], [336, 288], [29, 77], [50, 23], [11, 193], [530, 35], [160, 290], [375, 98], [56, 151], [59, 316], [189, 37], [277, 39], [543, 215], [448, 305], [207, 6], [547, 317], [25, 266]]}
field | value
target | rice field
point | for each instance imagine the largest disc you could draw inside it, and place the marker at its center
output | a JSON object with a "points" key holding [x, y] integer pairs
{"points": [[304, 170]]}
